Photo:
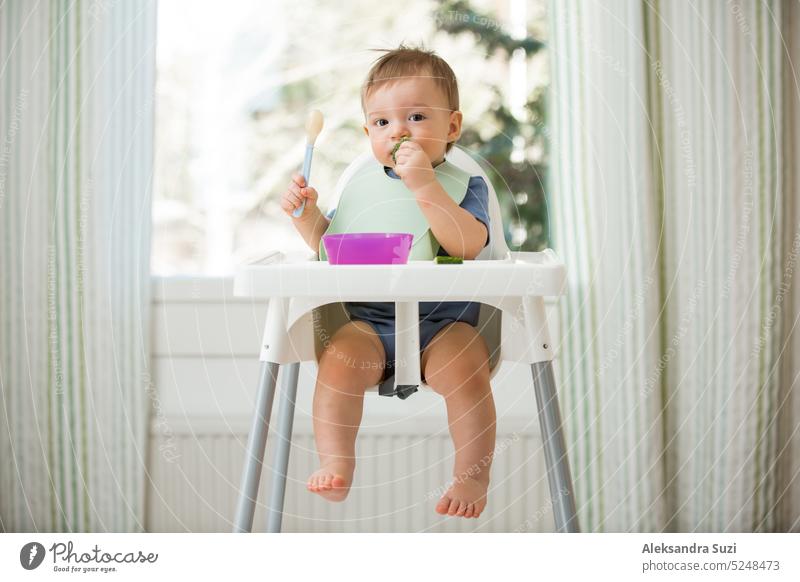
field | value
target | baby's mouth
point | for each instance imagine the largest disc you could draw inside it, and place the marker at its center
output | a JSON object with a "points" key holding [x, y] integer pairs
{"points": [[397, 146]]}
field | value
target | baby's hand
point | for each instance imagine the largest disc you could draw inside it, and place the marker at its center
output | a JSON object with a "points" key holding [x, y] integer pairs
{"points": [[296, 193], [413, 166]]}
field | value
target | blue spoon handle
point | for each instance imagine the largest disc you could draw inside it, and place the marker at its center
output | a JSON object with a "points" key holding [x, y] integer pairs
{"points": [[306, 174]]}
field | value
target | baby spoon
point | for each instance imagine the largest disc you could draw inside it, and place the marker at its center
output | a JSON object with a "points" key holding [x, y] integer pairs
{"points": [[313, 127]]}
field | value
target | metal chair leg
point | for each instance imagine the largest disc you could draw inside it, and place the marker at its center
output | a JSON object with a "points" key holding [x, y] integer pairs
{"points": [[555, 452], [256, 444], [282, 448]]}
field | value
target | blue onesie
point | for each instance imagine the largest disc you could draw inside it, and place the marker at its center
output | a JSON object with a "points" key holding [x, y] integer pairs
{"points": [[433, 315]]}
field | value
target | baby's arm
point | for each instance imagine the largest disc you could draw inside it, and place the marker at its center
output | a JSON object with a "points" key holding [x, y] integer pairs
{"points": [[456, 229], [311, 224]]}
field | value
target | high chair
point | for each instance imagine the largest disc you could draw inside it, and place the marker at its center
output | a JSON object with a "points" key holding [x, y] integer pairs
{"points": [[306, 307]]}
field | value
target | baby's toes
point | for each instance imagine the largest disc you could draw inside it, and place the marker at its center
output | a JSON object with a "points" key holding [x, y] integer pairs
{"points": [[325, 482], [462, 509], [470, 510], [316, 482], [443, 505], [453, 507]]}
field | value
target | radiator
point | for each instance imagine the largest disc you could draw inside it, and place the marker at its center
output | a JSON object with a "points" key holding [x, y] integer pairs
{"points": [[401, 472]]}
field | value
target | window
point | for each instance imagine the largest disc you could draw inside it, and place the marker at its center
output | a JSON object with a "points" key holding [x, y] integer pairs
{"points": [[236, 80]]}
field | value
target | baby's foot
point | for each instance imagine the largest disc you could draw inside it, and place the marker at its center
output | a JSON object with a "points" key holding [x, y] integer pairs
{"points": [[466, 497], [332, 480]]}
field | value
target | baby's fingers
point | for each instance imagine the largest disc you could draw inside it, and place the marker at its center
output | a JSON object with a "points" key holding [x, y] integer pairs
{"points": [[299, 180], [309, 194], [292, 198], [294, 190], [288, 203], [408, 146], [402, 160]]}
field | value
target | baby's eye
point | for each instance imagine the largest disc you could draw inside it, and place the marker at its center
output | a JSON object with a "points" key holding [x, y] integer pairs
{"points": [[416, 117], [380, 122]]}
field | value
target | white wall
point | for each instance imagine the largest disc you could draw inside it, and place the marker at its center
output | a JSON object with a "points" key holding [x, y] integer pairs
{"points": [[205, 369]]}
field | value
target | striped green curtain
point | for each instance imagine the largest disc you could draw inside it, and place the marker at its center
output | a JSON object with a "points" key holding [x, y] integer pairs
{"points": [[675, 209], [76, 124]]}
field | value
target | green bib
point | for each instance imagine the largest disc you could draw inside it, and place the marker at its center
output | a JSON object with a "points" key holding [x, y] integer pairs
{"points": [[372, 201]]}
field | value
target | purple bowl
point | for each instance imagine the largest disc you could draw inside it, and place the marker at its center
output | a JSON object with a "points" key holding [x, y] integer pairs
{"points": [[368, 248]]}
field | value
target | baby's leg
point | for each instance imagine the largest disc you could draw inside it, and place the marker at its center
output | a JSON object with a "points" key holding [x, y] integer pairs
{"points": [[351, 363], [456, 365]]}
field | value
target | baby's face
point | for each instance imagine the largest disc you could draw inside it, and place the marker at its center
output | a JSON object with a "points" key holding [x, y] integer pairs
{"points": [[414, 107]]}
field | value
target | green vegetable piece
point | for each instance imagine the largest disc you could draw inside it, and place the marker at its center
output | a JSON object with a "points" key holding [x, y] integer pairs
{"points": [[449, 260], [397, 146]]}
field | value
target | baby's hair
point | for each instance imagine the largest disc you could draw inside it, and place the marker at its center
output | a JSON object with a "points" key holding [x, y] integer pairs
{"points": [[408, 61]]}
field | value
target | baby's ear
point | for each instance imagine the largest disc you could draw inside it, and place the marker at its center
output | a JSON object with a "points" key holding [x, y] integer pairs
{"points": [[366, 130], [454, 131]]}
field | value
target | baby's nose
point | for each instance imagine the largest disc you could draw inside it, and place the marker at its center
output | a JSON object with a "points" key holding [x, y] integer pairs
{"points": [[400, 132]]}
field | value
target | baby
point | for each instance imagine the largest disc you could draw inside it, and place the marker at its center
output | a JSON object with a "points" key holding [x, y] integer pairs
{"points": [[410, 98]]}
